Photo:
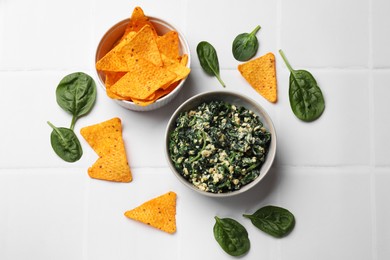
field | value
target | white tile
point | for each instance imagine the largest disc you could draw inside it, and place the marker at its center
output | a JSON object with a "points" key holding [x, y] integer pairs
{"points": [[42, 214], [112, 235], [333, 174], [381, 92], [143, 133], [332, 208], [198, 221], [341, 135], [26, 139], [380, 39], [2, 27], [382, 182], [212, 21], [42, 35], [325, 34]]}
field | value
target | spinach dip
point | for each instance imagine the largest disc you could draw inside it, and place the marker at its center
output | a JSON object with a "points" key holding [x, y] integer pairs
{"points": [[219, 147]]}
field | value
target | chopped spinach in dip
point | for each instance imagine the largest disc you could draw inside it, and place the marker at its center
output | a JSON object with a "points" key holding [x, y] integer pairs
{"points": [[219, 147]]}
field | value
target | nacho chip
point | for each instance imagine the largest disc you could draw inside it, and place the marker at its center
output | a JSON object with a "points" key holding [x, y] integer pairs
{"points": [[168, 44], [184, 59], [137, 21], [156, 95], [142, 45], [175, 66], [106, 140], [114, 60], [143, 102], [142, 79], [159, 212], [112, 78], [260, 73]]}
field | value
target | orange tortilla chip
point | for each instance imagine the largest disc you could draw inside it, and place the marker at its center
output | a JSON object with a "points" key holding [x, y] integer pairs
{"points": [[137, 21], [106, 140], [184, 59], [156, 95], [142, 45], [260, 73], [175, 66], [143, 102], [168, 44], [114, 60], [111, 79], [142, 79], [159, 212]]}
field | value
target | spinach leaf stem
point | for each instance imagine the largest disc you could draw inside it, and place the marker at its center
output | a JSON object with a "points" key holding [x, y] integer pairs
{"points": [[255, 30], [286, 61], [72, 124]]}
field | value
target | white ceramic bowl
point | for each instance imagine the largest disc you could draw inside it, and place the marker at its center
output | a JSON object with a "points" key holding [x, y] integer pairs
{"points": [[235, 99], [115, 33]]}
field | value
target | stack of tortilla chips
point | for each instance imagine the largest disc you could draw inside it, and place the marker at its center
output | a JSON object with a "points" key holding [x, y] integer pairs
{"points": [[143, 66]]}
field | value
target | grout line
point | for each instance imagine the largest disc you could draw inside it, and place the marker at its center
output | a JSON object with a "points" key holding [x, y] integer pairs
{"points": [[278, 24], [372, 132], [85, 238]]}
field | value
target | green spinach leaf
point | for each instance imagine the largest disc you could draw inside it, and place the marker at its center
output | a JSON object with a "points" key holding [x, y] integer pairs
{"points": [[208, 59], [65, 143], [273, 220], [76, 94], [306, 99], [245, 45], [231, 236]]}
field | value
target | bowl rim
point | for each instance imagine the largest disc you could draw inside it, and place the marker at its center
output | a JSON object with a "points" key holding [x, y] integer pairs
{"points": [[184, 47], [264, 117]]}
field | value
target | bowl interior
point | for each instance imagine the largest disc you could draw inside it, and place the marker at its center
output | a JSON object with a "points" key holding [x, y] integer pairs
{"points": [[235, 99], [114, 34]]}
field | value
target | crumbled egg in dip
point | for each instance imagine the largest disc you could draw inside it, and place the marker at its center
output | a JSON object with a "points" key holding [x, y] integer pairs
{"points": [[219, 147]]}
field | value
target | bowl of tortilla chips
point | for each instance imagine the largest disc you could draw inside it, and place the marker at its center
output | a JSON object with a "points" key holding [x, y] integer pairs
{"points": [[142, 62]]}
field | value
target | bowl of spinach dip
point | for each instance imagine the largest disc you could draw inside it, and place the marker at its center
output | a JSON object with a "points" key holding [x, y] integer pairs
{"points": [[220, 143]]}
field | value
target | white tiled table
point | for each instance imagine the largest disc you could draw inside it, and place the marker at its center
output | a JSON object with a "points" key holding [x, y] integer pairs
{"points": [[333, 174]]}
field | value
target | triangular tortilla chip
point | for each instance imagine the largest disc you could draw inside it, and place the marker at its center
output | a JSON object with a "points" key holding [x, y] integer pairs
{"points": [[142, 79], [159, 212], [261, 75], [106, 140], [168, 44], [113, 60], [175, 66], [111, 79], [137, 21], [143, 45]]}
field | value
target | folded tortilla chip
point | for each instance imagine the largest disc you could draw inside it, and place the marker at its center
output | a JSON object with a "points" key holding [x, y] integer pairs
{"points": [[159, 212], [260, 73], [106, 140]]}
